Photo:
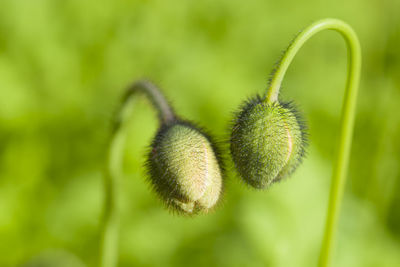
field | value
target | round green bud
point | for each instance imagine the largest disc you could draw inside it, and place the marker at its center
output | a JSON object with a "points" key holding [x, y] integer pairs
{"points": [[184, 168], [267, 142]]}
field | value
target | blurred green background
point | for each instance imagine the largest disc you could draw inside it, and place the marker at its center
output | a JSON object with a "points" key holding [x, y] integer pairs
{"points": [[65, 64]]}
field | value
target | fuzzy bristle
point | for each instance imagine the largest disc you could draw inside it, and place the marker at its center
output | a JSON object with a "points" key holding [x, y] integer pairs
{"points": [[268, 141], [185, 168]]}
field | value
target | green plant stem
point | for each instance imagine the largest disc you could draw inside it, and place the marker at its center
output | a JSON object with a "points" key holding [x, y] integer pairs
{"points": [[110, 220], [347, 117]]}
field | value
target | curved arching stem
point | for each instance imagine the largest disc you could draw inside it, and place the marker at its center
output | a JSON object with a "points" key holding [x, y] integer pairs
{"points": [[110, 220], [347, 116]]}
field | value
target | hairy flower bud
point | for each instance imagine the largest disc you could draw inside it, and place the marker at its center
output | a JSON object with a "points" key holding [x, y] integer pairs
{"points": [[267, 142], [184, 168]]}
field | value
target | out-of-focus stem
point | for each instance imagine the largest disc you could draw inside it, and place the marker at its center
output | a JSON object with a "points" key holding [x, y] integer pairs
{"points": [[110, 221]]}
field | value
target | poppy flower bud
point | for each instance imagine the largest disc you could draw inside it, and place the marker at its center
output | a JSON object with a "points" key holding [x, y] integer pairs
{"points": [[267, 142], [184, 168]]}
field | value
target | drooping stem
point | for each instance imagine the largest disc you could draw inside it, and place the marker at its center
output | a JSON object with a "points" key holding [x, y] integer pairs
{"points": [[347, 117], [110, 220]]}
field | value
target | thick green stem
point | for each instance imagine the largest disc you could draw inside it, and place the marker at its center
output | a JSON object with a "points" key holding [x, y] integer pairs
{"points": [[110, 221], [347, 117]]}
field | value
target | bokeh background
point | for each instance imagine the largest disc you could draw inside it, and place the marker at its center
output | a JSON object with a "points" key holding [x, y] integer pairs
{"points": [[65, 64]]}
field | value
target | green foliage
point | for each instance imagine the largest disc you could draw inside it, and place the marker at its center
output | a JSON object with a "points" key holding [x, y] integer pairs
{"points": [[65, 64]]}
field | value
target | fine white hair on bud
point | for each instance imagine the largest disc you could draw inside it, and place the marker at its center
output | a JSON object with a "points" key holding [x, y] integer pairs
{"points": [[184, 168], [268, 141]]}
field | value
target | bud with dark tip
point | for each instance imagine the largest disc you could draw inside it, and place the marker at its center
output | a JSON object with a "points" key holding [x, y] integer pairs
{"points": [[267, 142], [184, 168]]}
